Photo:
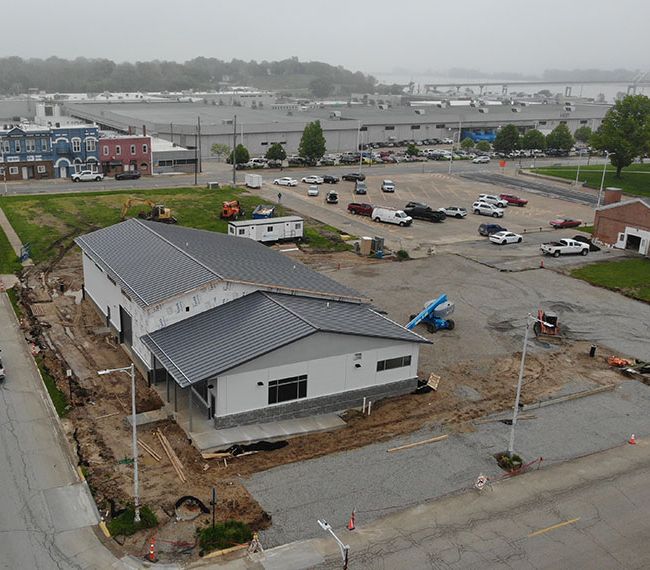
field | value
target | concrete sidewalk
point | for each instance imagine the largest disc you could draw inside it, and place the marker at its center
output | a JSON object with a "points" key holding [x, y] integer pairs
{"points": [[11, 234], [398, 533]]}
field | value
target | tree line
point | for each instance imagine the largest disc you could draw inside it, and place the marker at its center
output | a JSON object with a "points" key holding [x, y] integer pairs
{"points": [[83, 75]]}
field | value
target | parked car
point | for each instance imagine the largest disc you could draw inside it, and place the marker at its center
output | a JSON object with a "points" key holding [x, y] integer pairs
{"points": [[327, 179], [2, 371], [391, 216], [564, 247], [332, 197], [296, 161], [87, 176], [514, 200], [447, 141], [327, 162], [128, 175], [388, 186], [485, 209], [424, 212], [560, 223], [481, 159], [313, 190], [585, 239], [360, 209], [493, 199], [360, 187], [312, 179], [454, 211], [274, 163], [489, 229], [504, 237], [353, 176], [286, 181]]}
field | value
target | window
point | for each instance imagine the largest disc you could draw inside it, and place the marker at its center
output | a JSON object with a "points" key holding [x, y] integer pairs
{"points": [[542, 123], [17, 146], [242, 231], [40, 169], [44, 145], [30, 145], [2, 170], [440, 126], [118, 149], [269, 228], [145, 148], [265, 143], [298, 225], [584, 122], [76, 145], [105, 150], [13, 170], [391, 363], [6, 147], [91, 145], [287, 389], [415, 127], [389, 128], [363, 129], [132, 149]]}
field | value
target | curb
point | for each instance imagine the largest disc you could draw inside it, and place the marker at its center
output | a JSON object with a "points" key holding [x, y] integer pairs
{"points": [[568, 397]]}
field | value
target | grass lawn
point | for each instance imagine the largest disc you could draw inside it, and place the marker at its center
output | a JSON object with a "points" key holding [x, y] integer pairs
{"points": [[49, 221], [8, 259], [631, 276], [635, 179]]}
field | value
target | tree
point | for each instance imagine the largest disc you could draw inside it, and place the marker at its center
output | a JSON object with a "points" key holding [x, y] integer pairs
{"points": [[467, 143], [412, 150], [242, 155], [625, 131], [321, 87], [533, 139], [583, 134], [312, 143], [483, 146], [220, 150], [560, 137], [507, 139], [275, 152]]}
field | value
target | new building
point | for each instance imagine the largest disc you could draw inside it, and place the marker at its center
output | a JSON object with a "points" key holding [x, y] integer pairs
{"points": [[25, 153], [245, 333], [74, 148], [623, 224], [122, 153]]}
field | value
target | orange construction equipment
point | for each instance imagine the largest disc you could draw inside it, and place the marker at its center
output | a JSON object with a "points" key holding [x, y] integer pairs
{"points": [[351, 521], [619, 362], [549, 325], [231, 210], [632, 440]]}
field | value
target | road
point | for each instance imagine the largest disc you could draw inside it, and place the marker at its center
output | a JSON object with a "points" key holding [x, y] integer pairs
{"points": [[47, 516]]}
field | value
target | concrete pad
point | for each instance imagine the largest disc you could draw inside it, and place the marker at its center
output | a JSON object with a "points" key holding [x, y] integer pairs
{"points": [[71, 507], [295, 556], [223, 438], [145, 418]]}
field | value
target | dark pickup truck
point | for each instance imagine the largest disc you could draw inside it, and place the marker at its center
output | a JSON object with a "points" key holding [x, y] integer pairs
{"points": [[360, 209], [421, 212]]}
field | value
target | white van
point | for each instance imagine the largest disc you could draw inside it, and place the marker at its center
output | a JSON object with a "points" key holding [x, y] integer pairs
{"points": [[391, 216]]}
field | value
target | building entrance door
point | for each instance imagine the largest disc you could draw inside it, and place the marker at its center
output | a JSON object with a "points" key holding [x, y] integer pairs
{"points": [[25, 173]]}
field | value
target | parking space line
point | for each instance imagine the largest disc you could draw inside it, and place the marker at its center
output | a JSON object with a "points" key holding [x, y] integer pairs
{"points": [[553, 527]]}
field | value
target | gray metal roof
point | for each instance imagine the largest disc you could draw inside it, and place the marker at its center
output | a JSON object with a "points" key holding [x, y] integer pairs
{"points": [[227, 336], [154, 261]]}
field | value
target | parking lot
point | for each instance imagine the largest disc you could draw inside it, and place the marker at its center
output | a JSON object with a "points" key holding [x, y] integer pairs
{"points": [[436, 190]]}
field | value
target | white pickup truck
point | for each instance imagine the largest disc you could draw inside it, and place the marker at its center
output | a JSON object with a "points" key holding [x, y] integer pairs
{"points": [[87, 176], [564, 247]]}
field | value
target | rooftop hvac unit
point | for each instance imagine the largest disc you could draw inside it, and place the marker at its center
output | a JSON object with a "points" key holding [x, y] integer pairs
{"points": [[515, 110], [420, 112], [483, 110], [335, 115]]}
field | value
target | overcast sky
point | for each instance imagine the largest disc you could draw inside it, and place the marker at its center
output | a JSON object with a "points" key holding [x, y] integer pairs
{"points": [[527, 36]]}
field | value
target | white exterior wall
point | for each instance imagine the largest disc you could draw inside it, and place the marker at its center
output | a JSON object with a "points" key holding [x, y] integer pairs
{"points": [[327, 359], [644, 247], [279, 229]]}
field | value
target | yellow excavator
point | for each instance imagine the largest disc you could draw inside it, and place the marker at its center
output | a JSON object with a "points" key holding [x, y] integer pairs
{"points": [[158, 212]]}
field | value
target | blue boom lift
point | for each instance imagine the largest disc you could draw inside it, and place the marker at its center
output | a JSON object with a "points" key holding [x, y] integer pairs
{"points": [[435, 315]]}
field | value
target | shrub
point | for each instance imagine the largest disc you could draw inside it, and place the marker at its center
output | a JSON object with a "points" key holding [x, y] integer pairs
{"points": [[124, 525], [403, 255], [224, 535]]}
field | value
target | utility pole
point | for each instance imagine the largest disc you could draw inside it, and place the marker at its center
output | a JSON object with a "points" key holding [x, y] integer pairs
{"points": [[200, 150], [4, 166], [196, 159], [234, 146]]}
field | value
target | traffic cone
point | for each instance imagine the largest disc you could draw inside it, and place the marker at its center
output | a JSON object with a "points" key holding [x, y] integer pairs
{"points": [[152, 549], [632, 440], [351, 521]]}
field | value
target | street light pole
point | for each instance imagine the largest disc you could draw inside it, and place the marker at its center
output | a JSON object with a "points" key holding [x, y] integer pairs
{"points": [[451, 160], [345, 548], [529, 321], [134, 437], [602, 180], [4, 166]]}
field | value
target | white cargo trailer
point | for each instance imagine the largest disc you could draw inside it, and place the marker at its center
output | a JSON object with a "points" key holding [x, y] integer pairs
{"points": [[269, 229], [253, 180]]}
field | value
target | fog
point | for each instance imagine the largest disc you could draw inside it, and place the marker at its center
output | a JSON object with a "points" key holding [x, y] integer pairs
{"points": [[418, 36]]}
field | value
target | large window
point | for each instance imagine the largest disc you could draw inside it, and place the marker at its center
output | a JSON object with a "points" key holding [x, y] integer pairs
{"points": [[30, 145], [118, 150], [391, 363], [76, 145], [17, 146], [132, 149], [44, 145], [91, 145], [287, 389]]}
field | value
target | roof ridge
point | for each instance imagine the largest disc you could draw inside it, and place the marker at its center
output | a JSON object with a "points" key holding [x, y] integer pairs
{"points": [[277, 302], [177, 248], [396, 323]]}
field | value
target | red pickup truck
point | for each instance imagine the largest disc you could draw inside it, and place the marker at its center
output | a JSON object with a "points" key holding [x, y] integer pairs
{"points": [[360, 209], [513, 200]]}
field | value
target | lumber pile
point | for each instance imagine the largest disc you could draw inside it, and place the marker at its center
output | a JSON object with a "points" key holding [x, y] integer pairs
{"points": [[149, 450], [171, 454]]}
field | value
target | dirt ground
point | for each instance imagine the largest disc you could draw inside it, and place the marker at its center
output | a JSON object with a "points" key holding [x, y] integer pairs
{"points": [[70, 335]]}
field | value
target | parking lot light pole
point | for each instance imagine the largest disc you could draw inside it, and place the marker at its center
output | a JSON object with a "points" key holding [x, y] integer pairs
{"points": [[602, 180], [451, 160], [134, 434], [529, 321], [345, 549]]}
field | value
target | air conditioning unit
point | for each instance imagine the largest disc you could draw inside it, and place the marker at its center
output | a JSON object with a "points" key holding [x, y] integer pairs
{"points": [[420, 112], [483, 110], [515, 110]]}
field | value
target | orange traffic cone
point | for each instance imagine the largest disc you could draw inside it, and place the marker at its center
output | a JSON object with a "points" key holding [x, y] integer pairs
{"points": [[351, 521], [152, 549], [632, 440]]}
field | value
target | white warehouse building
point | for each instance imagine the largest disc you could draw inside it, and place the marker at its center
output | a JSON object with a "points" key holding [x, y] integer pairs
{"points": [[243, 332]]}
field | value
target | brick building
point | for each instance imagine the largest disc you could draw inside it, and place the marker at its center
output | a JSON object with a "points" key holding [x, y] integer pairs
{"points": [[25, 153], [74, 148], [624, 225], [120, 153]]}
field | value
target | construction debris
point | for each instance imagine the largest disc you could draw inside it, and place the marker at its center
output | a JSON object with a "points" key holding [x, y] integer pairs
{"points": [[417, 443], [149, 450], [171, 454]]}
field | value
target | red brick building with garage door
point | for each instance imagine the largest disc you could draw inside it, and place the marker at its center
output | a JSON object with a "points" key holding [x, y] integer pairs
{"points": [[624, 225], [121, 153]]}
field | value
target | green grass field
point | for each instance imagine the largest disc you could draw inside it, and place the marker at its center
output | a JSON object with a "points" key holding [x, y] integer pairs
{"points": [[635, 179], [49, 221], [8, 259], [631, 276]]}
